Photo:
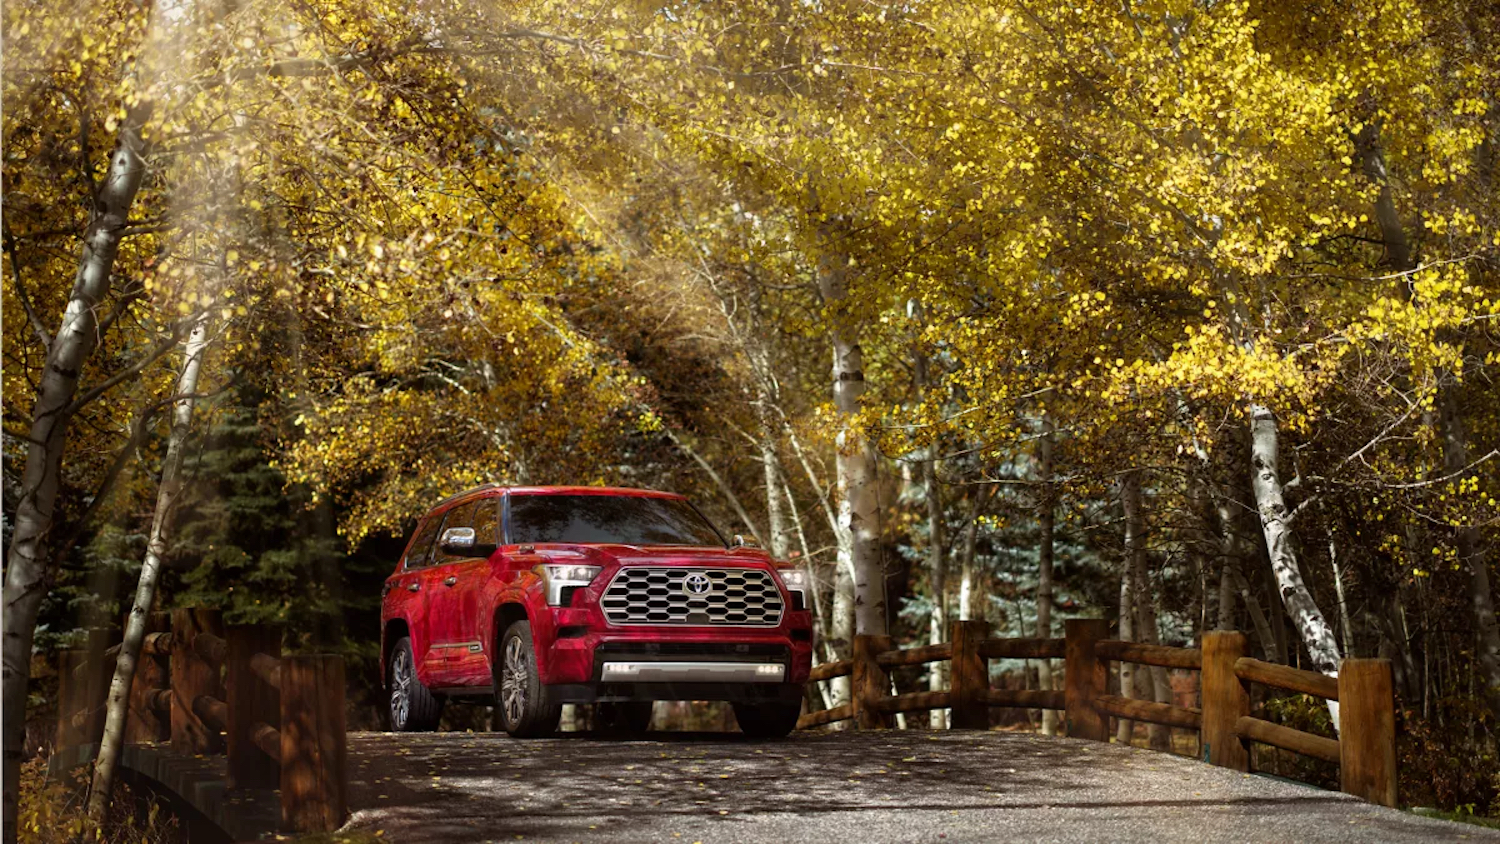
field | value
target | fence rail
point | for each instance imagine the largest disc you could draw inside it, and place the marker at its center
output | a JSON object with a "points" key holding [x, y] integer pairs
{"points": [[1365, 750], [205, 689]]}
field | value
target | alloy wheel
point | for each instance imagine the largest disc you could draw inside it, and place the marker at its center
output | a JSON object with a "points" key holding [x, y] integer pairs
{"points": [[401, 680], [513, 679]]}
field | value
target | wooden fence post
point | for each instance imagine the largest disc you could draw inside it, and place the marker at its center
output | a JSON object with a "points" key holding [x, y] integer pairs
{"points": [[313, 744], [1367, 730], [1084, 676], [251, 701], [99, 671], [1225, 700], [72, 697], [143, 723], [970, 675], [870, 682], [192, 677]]}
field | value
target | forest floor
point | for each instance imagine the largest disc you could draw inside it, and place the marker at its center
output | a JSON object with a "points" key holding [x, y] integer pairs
{"points": [[853, 788]]}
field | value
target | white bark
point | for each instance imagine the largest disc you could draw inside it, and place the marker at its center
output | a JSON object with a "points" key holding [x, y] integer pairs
{"points": [[967, 590], [776, 539], [1124, 727], [26, 562], [937, 631], [1047, 519], [167, 499], [843, 632], [840, 626], [858, 504], [1317, 634]]}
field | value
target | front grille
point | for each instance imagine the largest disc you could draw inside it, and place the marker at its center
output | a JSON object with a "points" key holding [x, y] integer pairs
{"points": [[650, 595]]}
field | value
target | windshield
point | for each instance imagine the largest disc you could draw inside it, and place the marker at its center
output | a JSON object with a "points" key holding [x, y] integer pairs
{"points": [[619, 519]]}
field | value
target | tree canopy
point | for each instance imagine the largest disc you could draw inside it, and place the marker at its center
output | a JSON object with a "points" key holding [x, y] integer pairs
{"points": [[1178, 313]]}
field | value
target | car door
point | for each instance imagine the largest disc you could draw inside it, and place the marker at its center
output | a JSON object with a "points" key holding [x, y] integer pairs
{"points": [[464, 584], [453, 603], [409, 592]]}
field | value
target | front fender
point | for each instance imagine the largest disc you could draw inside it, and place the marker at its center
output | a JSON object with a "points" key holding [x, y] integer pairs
{"points": [[524, 594]]}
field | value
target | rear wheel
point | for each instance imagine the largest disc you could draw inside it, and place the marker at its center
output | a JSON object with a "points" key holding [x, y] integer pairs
{"points": [[523, 702], [414, 708], [625, 718], [767, 720]]}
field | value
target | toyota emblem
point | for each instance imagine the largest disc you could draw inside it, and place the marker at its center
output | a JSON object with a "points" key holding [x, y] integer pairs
{"points": [[697, 583]]}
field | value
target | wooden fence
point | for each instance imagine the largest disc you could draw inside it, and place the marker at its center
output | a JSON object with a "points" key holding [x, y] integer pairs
{"points": [[1365, 750], [206, 689]]}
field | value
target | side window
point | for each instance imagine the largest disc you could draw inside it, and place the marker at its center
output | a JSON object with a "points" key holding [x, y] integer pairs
{"points": [[416, 555], [460, 516], [487, 521]]}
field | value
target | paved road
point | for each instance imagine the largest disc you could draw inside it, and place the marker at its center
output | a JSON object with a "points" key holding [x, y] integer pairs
{"points": [[850, 788]]}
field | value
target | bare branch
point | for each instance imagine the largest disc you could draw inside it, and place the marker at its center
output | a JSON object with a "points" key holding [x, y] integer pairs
{"points": [[156, 353], [37, 325]]}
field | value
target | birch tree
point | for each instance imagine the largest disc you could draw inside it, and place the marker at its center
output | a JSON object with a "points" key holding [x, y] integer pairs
{"points": [[57, 402], [101, 788]]}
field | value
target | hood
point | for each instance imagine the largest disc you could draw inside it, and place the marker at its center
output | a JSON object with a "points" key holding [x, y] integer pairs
{"points": [[664, 555]]}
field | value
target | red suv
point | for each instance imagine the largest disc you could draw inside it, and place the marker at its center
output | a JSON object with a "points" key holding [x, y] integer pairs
{"points": [[541, 596]]}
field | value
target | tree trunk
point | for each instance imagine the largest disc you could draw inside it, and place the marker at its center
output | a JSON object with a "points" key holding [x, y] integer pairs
{"points": [[1317, 634], [843, 629], [1124, 727], [937, 563], [1145, 605], [1346, 626], [1466, 538], [937, 630], [777, 540], [1372, 161], [1229, 563], [25, 564], [145, 594], [1232, 582], [858, 503], [966, 588], [1047, 520], [1258, 620]]}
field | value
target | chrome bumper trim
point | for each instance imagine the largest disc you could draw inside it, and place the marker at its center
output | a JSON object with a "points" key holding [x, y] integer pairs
{"points": [[692, 672]]}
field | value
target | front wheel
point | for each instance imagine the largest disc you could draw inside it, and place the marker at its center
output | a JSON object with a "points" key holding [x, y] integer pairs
{"points": [[525, 708], [414, 708], [767, 720]]}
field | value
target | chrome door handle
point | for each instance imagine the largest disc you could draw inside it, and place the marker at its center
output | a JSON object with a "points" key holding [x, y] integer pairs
{"points": [[413, 586], [450, 580]]}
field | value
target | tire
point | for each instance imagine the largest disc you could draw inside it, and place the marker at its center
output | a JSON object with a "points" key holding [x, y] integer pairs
{"points": [[767, 720], [413, 707], [623, 719], [520, 698]]}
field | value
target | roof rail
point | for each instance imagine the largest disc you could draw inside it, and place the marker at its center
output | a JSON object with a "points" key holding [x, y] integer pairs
{"points": [[452, 498]]}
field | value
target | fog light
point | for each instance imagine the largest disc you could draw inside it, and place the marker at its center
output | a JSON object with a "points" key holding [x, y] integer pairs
{"points": [[768, 670]]}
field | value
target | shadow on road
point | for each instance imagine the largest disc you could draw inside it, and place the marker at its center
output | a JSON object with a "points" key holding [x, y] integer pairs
{"points": [[859, 787]]}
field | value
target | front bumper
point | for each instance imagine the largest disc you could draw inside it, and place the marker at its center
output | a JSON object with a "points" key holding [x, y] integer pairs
{"points": [[590, 660]]}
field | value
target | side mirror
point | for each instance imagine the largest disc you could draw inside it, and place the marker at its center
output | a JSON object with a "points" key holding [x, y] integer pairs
{"points": [[745, 541], [459, 542]]}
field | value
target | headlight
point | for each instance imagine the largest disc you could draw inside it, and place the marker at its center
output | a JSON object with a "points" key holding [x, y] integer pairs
{"points": [[559, 577], [793, 579], [798, 583]]}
